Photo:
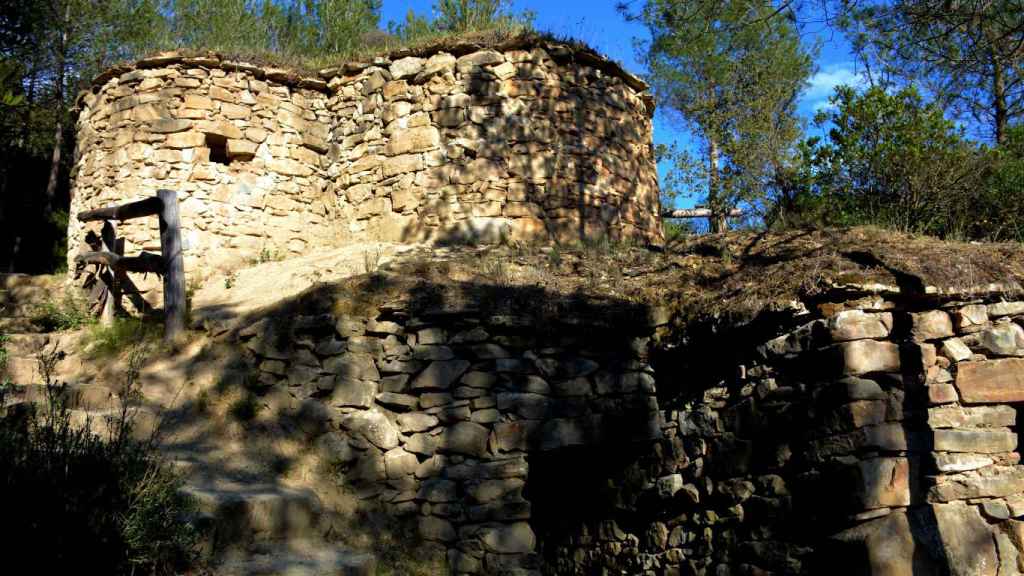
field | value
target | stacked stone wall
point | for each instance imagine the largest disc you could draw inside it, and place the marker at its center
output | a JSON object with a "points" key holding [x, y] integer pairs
{"points": [[875, 434], [436, 417], [527, 144], [879, 436]]}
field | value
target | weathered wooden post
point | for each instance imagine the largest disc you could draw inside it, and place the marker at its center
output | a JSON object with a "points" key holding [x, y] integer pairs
{"points": [[174, 266], [108, 236], [170, 264]]}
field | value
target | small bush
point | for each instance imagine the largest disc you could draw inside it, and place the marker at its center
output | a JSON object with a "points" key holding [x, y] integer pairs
{"points": [[89, 503], [268, 254], [68, 314], [125, 333], [245, 408]]}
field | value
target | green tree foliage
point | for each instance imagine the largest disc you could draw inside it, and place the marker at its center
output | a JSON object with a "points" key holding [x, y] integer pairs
{"points": [[890, 159], [55, 44], [461, 16], [294, 28], [465, 15], [731, 71], [968, 54]]}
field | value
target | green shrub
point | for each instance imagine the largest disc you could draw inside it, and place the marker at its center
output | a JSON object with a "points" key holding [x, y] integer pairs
{"points": [[68, 314], [89, 503], [123, 334]]}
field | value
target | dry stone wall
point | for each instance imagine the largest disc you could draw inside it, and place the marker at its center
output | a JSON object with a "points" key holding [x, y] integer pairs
{"points": [[532, 141], [874, 434], [435, 417], [877, 436]]}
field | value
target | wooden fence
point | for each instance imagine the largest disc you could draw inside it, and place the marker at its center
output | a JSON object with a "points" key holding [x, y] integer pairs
{"points": [[109, 252]]}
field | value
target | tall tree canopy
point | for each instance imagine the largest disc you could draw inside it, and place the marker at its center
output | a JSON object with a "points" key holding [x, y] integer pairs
{"points": [[295, 27], [458, 16], [731, 70], [968, 54]]}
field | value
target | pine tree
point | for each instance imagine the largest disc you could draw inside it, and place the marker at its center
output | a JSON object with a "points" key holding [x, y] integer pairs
{"points": [[731, 71]]}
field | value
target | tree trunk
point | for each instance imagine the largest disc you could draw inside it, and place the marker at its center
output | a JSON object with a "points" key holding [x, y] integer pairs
{"points": [[718, 213], [999, 99], [58, 132]]}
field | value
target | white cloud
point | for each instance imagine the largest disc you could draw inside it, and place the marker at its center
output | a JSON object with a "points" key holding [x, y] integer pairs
{"points": [[823, 84]]}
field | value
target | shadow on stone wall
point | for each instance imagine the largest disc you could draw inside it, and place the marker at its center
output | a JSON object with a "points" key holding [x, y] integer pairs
{"points": [[550, 166], [453, 406]]}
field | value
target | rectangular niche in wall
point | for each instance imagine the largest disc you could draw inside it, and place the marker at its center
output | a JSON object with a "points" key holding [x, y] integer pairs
{"points": [[218, 146]]}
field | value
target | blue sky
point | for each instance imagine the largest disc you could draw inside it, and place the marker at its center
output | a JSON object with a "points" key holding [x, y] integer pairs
{"points": [[597, 23]]}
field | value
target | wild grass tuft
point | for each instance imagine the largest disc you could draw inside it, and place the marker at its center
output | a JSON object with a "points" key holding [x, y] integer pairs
{"points": [[123, 334], [67, 314]]}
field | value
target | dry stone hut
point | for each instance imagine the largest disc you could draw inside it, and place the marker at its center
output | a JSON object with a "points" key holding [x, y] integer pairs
{"points": [[526, 140]]}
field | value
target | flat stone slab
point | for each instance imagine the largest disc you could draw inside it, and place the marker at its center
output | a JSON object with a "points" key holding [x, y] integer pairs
{"points": [[992, 381]]}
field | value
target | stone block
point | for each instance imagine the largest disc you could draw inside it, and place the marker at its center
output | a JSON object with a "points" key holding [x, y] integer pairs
{"points": [[185, 140], [956, 462], [352, 365], [491, 490], [220, 128], [931, 325], [882, 547], [467, 438], [352, 393], [972, 417], [198, 102], [883, 482], [866, 356], [991, 381], [955, 350], [470, 62], [240, 149], [858, 325], [1003, 339], [992, 481], [437, 64], [289, 167], [395, 401], [440, 375], [416, 422], [967, 541], [374, 426], [977, 441], [405, 67], [412, 140], [398, 463], [970, 318], [516, 538], [436, 529], [1005, 309], [941, 394], [515, 436], [168, 126]]}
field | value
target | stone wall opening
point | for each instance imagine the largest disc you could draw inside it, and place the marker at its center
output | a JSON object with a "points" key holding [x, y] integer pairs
{"points": [[571, 500], [218, 146]]}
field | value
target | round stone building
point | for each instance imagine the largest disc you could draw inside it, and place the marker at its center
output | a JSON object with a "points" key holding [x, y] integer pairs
{"points": [[527, 140]]}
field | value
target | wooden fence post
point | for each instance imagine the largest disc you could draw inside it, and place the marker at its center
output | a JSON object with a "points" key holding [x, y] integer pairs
{"points": [[174, 266], [108, 235]]}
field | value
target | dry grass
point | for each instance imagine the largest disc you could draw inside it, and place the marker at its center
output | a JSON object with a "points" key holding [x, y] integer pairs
{"points": [[738, 275], [500, 37]]}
